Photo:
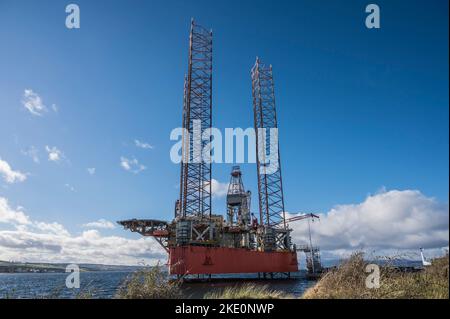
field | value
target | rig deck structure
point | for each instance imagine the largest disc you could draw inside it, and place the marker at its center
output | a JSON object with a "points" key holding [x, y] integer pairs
{"points": [[199, 242]]}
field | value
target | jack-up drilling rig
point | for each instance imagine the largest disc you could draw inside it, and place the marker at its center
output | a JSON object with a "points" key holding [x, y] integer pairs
{"points": [[198, 241]]}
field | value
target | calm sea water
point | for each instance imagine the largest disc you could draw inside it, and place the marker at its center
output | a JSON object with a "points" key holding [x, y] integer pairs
{"points": [[105, 284]]}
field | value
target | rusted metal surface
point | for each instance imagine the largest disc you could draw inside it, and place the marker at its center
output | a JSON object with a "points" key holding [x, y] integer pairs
{"points": [[192, 260]]}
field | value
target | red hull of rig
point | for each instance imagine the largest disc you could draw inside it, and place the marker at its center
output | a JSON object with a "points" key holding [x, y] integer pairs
{"points": [[195, 260]]}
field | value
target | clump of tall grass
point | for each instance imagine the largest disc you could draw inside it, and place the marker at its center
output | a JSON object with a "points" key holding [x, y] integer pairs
{"points": [[149, 283], [348, 281], [247, 291]]}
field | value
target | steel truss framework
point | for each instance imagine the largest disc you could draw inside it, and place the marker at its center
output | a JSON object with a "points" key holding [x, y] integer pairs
{"points": [[238, 204], [270, 189], [148, 227], [195, 182]]}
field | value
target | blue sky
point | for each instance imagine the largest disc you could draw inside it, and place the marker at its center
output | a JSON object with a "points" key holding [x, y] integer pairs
{"points": [[359, 110]]}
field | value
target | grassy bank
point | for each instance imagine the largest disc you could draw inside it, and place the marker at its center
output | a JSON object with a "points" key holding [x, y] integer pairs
{"points": [[348, 281], [248, 291], [149, 283], [153, 283]]}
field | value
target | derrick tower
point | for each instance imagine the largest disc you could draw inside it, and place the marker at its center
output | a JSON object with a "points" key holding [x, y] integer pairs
{"points": [[238, 200], [270, 187], [195, 179]]}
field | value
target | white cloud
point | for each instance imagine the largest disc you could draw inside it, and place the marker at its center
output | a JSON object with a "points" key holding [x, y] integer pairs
{"points": [[55, 108], [131, 165], [218, 189], [70, 187], [388, 220], [143, 145], [88, 247], [10, 215], [52, 228], [33, 153], [54, 154], [33, 103], [51, 242], [91, 170], [9, 175], [101, 223]]}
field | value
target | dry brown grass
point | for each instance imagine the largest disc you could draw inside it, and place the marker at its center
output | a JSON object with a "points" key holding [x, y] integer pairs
{"points": [[348, 282], [149, 283], [247, 291]]}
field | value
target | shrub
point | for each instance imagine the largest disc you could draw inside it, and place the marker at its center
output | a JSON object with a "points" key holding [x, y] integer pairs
{"points": [[347, 281], [149, 283]]}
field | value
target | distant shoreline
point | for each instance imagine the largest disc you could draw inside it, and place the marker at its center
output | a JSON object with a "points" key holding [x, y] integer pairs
{"points": [[25, 267], [35, 267]]}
